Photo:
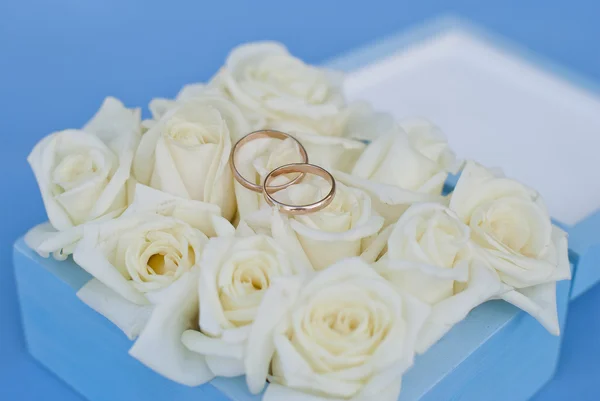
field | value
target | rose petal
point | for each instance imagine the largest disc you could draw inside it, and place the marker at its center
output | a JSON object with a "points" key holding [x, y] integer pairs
{"points": [[334, 233], [201, 215], [376, 245], [204, 345], [431, 142], [391, 393], [315, 97], [159, 107], [113, 121], [225, 367], [384, 387], [91, 259], [478, 185], [45, 240], [127, 316], [166, 176], [41, 160], [119, 128], [143, 163], [286, 237], [563, 270], [212, 316], [299, 375], [391, 201], [160, 347], [192, 91], [400, 168], [484, 284], [160, 159], [540, 302], [275, 305], [91, 198], [369, 226], [365, 124], [332, 153], [519, 271]]}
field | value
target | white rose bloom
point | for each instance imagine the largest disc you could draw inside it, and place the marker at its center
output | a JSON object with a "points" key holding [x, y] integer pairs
{"points": [[408, 164], [278, 91], [160, 106], [337, 142], [430, 256], [236, 273], [145, 265], [343, 229], [345, 333], [186, 152], [269, 84], [82, 175], [512, 227], [151, 245]]}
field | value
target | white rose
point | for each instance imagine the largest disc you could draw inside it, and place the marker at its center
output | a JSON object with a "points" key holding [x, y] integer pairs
{"points": [[145, 268], [346, 333], [82, 175], [341, 230], [186, 152], [236, 273], [160, 106], [430, 256], [337, 142], [151, 245], [512, 227], [278, 91], [408, 164], [269, 84]]}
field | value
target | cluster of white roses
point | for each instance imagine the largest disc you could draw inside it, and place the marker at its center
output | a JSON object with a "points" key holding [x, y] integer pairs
{"points": [[211, 281]]}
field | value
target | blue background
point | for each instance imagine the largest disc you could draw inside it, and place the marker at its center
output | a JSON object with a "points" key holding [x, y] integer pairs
{"points": [[60, 58]]}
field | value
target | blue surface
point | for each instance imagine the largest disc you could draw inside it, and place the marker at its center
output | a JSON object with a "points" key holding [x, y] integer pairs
{"points": [[59, 58], [496, 339]]}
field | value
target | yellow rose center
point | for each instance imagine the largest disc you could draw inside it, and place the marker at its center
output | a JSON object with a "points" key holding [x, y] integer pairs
{"points": [[155, 258]]}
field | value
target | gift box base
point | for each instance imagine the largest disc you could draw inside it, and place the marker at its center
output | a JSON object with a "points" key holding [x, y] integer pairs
{"points": [[496, 353], [584, 239]]}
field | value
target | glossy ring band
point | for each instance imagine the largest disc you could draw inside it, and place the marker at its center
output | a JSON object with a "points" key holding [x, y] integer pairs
{"points": [[264, 134], [304, 168]]}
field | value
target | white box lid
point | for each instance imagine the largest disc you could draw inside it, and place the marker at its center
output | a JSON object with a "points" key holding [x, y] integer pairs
{"points": [[494, 105]]}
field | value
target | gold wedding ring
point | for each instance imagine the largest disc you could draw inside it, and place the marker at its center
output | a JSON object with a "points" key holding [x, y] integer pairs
{"points": [[264, 134], [303, 168]]}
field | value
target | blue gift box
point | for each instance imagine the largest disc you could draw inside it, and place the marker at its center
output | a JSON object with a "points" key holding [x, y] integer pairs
{"points": [[584, 239], [91, 355], [495, 341]]}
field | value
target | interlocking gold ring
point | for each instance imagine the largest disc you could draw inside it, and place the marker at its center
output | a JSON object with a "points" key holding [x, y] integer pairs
{"points": [[264, 134], [304, 168]]}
